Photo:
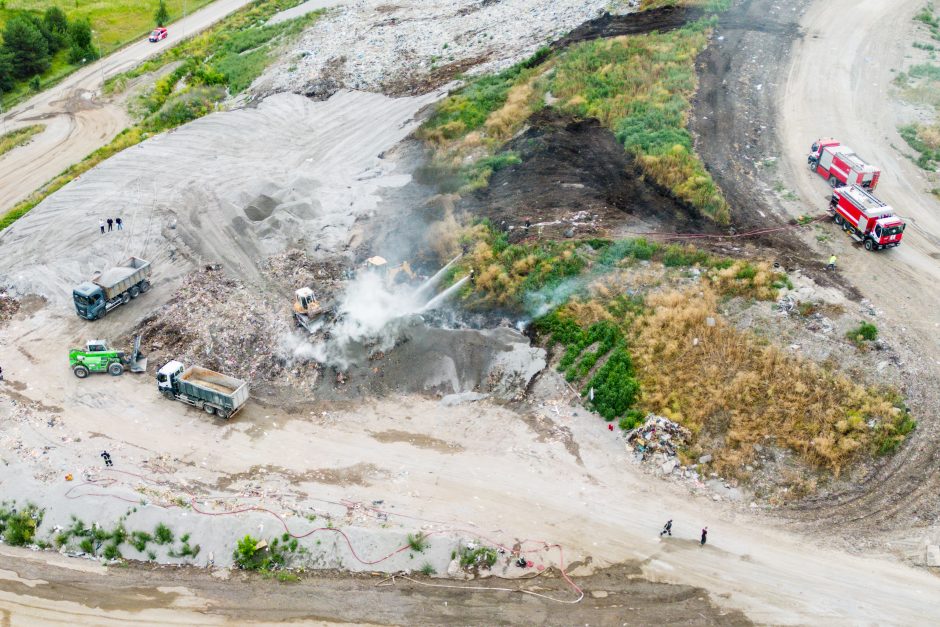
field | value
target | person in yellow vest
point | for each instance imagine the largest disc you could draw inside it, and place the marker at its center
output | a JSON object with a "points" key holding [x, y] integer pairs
{"points": [[832, 263]]}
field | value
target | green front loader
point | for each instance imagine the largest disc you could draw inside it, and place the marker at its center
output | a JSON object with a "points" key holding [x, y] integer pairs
{"points": [[98, 357]]}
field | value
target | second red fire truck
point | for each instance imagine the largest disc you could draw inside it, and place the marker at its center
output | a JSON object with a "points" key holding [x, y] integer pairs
{"points": [[840, 165], [865, 218]]}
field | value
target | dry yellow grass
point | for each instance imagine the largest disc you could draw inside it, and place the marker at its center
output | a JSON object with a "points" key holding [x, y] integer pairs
{"points": [[733, 390]]}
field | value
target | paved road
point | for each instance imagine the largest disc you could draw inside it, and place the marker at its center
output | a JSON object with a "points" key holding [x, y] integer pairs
{"points": [[77, 120]]}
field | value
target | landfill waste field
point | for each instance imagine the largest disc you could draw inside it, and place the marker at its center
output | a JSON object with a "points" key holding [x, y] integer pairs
{"points": [[473, 312]]}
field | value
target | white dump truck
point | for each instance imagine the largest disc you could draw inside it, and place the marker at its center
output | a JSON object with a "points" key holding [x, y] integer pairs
{"points": [[211, 391]]}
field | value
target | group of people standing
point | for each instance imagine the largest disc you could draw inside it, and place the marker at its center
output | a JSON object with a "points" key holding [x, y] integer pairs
{"points": [[667, 531], [111, 222]]}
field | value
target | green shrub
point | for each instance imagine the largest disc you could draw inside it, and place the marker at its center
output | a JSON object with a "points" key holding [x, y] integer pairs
{"points": [[18, 527], [480, 556], [418, 542], [865, 331], [616, 389], [163, 534], [87, 546], [111, 552], [427, 569]]}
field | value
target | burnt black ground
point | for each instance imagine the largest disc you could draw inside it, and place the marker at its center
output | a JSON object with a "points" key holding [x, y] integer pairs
{"points": [[571, 166]]}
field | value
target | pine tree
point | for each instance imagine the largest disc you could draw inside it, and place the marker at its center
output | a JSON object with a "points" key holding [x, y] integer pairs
{"points": [[81, 47], [57, 27], [162, 16], [28, 49]]}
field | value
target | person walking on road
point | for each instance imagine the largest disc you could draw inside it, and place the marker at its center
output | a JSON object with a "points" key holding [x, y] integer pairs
{"points": [[120, 224], [101, 226], [704, 535], [832, 262], [107, 458], [110, 224], [667, 528]]}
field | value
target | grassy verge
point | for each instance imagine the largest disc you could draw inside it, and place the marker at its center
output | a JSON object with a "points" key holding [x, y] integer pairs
{"points": [[114, 23], [639, 87], [929, 18], [13, 139], [219, 63]]}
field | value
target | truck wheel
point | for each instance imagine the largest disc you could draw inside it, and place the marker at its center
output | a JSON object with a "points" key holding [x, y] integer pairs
{"points": [[838, 219], [833, 182], [125, 298], [168, 394], [209, 409], [134, 291], [115, 369], [223, 413], [80, 371], [144, 287], [869, 244]]}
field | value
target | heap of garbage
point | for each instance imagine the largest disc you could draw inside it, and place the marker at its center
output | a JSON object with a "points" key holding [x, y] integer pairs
{"points": [[217, 322], [657, 435]]}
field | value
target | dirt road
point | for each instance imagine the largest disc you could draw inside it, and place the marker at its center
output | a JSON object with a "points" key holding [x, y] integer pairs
{"points": [[78, 120], [43, 588]]}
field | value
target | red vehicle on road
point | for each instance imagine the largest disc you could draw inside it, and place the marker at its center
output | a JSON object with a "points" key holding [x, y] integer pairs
{"points": [[865, 218], [840, 165], [158, 34]]}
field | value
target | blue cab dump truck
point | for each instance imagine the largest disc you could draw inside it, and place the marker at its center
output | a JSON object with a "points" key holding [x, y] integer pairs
{"points": [[111, 288], [205, 389]]}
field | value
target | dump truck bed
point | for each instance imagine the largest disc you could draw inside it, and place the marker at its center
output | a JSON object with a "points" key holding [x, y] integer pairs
{"points": [[214, 387], [120, 278]]}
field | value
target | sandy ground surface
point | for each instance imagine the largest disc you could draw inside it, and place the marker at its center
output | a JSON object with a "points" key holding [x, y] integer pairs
{"points": [[232, 187], [78, 120], [45, 588], [553, 473]]}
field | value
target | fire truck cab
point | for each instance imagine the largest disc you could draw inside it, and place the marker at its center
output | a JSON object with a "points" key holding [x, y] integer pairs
{"points": [[865, 218], [840, 165]]}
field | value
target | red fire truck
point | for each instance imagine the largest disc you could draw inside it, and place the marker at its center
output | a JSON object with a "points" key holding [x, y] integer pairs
{"points": [[840, 165], [866, 218]]}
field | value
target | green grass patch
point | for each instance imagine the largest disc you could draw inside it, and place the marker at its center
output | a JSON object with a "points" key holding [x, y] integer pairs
{"points": [[482, 556], [864, 332], [252, 554], [18, 137]]}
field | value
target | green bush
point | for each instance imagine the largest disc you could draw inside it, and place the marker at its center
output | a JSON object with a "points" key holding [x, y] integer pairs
{"points": [[111, 552], [616, 389], [865, 331], [163, 534], [18, 527], [480, 556]]}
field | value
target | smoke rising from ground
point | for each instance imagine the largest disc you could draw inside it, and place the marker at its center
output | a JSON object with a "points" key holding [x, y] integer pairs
{"points": [[369, 318]]}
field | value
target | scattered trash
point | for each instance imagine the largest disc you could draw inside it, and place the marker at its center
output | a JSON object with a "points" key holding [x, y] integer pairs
{"points": [[657, 435]]}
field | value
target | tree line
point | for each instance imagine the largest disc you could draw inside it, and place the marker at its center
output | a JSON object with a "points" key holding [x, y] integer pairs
{"points": [[30, 42]]}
